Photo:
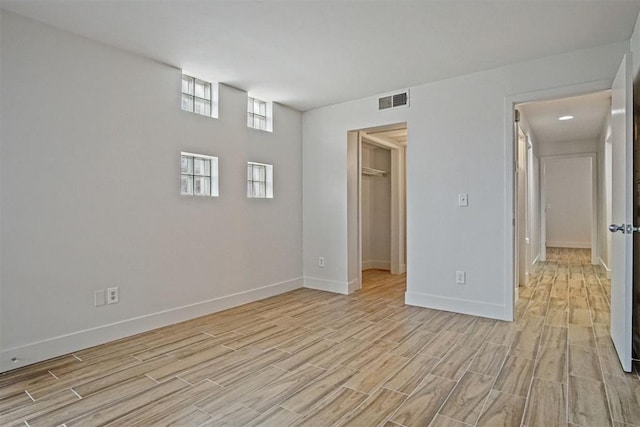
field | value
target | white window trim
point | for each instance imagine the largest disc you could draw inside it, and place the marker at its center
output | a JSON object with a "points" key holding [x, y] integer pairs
{"points": [[215, 175]]}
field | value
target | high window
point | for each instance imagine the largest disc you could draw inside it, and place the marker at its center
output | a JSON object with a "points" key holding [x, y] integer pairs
{"points": [[199, 96], [259, 180], [198, 175], [259, 114]]}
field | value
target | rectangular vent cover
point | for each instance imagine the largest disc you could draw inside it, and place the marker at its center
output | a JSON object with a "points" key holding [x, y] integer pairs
{"points": [[385, 102], [393, 101]]}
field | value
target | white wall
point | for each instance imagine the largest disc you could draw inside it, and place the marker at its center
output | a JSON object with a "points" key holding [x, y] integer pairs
{"points": [[1, 150], [568, 189], [89, 165], [547, 150], [554, 148], [381, 208], [604, 194], [376, 210], [365, 207], [458, 144]]}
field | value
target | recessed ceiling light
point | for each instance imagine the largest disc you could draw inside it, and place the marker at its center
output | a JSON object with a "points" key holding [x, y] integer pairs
{"points": [[565, 118]]}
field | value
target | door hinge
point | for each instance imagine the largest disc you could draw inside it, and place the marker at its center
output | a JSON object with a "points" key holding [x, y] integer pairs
{"points": [[517, 116], [630, 229]]}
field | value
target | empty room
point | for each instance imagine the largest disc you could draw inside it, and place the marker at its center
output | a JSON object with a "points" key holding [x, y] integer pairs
{"points": [[319, 213]]}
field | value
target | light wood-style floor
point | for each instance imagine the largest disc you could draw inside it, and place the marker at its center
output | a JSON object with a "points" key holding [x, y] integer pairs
{"points": [[319, 359]]}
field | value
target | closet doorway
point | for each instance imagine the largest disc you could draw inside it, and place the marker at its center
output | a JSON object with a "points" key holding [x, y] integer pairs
{"points": [[377, 202]]}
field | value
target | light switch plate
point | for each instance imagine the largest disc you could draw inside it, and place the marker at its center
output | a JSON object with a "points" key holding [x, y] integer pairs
{"points": [[99, 298], [463, 199]]}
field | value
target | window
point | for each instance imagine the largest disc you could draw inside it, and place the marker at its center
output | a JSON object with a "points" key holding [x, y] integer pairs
{"points": [[198, 175], [259, 114], [199, 96], [259, 180]]}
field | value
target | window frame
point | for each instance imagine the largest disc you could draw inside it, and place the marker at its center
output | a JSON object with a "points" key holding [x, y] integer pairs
{"points": [[213, 174], [251, 181], [253, 116], [210, 95]]}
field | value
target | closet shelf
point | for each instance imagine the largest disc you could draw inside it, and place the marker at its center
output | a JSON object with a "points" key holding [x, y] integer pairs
{"points": [[373, 172]]}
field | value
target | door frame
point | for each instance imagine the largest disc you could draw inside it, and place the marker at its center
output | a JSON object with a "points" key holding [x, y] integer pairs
{"points": [[595, 249], [522, 231], [510, 102]]}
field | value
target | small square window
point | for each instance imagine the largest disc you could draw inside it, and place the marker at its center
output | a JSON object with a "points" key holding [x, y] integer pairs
{"points": [[259, 114], [259, 180], [199, 96], [198, 175]]}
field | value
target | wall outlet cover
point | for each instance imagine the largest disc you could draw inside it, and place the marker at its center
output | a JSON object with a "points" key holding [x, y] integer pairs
{"points": [[113, 295]]}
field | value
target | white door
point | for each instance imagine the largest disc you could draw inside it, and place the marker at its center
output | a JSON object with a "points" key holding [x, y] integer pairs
{"points": [[622, 213]]}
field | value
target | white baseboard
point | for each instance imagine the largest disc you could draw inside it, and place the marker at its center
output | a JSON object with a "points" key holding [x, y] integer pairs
{"points": [[354, 285], [606, 267], [574, 245], [475, 308], [68, 343], [326, 285], [373, 264]]}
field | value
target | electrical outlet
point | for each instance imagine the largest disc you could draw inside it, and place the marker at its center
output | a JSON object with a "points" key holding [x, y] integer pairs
{"points": [[321, 262], [461, 277], [113, 295], [99, 298]]}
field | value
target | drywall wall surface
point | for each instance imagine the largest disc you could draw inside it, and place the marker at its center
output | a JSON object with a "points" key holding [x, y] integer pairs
{"points": [[381, 208], [366, 217], [90, 166], [568, 188], [1, 127], [604, 178], [554, 148], [376, 210], [324, 186], [457, 143]]}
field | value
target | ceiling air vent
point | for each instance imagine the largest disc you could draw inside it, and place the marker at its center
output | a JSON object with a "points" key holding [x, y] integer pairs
{"points": [[393, 101], [400, 99]]}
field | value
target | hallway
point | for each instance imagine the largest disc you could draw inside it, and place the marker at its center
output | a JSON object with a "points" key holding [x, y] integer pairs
{"points": [[564, 322]]}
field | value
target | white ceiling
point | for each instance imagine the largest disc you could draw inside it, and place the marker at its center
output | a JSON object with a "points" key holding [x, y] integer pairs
{"points": [[307, 54], [589, 111]]}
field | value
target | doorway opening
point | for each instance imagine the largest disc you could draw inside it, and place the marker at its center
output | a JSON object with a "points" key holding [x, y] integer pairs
{"points": [[562, 199], [377, 209]]}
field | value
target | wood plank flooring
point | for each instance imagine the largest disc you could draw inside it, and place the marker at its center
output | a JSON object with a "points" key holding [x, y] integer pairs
{"points": [[311, 358]]}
